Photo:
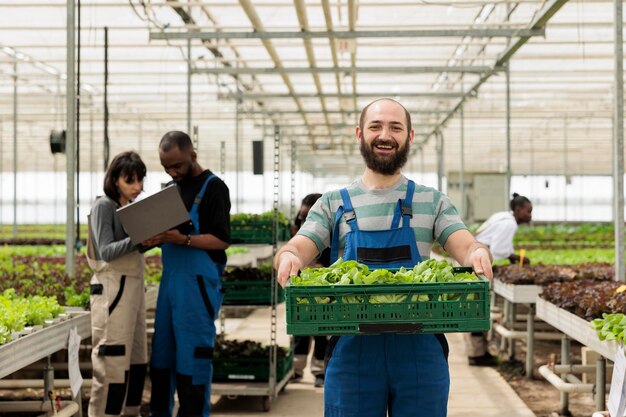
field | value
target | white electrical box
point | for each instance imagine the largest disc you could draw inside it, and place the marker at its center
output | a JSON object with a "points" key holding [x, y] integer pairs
{"points": [[485, 194]]}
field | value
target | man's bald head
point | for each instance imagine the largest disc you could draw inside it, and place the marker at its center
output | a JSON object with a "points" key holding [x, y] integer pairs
{"points": [[177, 139], [366, 108]]}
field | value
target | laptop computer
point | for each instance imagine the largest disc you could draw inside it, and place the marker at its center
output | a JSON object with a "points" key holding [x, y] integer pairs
{"points": [[157, 213]]}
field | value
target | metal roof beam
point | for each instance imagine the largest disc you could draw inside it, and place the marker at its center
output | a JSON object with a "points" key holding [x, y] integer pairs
{"points": [[355, 34], [259, 96], [349, 70], [539, 22]]}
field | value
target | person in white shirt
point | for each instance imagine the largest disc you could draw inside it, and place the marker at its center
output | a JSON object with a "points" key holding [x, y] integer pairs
{"points": [[497, 233]]}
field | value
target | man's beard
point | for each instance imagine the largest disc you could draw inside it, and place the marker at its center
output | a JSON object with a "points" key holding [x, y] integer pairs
{"points": [[188, 175], [384, 166]]}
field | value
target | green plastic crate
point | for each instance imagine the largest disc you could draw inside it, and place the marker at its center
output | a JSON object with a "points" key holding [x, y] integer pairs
{"points": [[468, 313], [256, 232], [250, 293], [250, 369]]}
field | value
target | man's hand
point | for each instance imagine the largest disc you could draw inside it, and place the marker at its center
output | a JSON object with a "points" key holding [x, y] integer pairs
{"points": [[480, 260], [171, 236], [288, 264]]}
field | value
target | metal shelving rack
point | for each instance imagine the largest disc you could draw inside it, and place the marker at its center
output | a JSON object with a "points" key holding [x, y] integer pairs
{"points": [[270, 389], [574, 327], [520, 294]]}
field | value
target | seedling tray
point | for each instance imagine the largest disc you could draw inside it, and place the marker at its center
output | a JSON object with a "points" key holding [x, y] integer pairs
{"points": [[250, 293], [256, 232], [250, 369]]}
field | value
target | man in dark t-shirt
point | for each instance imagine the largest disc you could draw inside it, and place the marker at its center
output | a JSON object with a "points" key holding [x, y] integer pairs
{"points": [[190, 293]]}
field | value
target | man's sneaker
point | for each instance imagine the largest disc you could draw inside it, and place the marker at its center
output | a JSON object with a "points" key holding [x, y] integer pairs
{"points": [[319, 381], [484, 360]]}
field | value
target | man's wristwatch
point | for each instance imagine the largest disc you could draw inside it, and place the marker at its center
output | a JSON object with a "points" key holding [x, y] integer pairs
{"points": [[188, 242]]}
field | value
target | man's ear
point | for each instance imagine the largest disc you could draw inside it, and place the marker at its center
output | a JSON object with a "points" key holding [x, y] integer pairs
{"points": [[194, 156]]}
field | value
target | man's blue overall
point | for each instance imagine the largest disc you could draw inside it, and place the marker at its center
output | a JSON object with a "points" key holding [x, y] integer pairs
{"points": [[184, 330], [402, 374]]}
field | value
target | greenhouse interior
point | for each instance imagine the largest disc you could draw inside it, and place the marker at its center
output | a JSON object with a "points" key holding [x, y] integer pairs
{"points": [[210, 207]]}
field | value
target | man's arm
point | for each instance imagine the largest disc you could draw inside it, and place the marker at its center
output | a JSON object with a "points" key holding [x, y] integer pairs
{"points": [[293, 256], [469, 252], [206, 241]]}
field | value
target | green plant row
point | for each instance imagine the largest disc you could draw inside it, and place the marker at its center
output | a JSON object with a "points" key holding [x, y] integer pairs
{"points": [[46, 276], [586, 232], [17, 312], [243, 219], [567, 256]]}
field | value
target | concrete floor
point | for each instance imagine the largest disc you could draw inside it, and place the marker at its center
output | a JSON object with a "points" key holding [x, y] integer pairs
{"points": [[473, 392]]}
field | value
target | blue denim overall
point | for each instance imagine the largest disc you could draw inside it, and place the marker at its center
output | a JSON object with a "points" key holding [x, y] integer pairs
{"points": [[399, 374], [189, 299]]}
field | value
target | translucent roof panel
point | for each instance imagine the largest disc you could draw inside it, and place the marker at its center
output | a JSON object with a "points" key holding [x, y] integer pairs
{"points": [[308, 67]]}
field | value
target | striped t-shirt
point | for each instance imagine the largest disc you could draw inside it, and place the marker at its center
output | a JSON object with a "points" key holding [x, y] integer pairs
{"points": [[434, 216]]}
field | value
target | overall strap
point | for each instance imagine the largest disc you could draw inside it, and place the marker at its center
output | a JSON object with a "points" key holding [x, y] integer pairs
{"points": [[334, 244], [404, 208], [198, 199], [407, 205], [349, 213], [346, 210]]}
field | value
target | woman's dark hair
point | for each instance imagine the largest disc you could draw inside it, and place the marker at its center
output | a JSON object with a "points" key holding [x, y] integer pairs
{"points": [[518, 201], [310, 199], [126, 164], [307, 201]]}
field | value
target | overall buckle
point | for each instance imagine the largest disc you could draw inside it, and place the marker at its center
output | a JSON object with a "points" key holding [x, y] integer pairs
{"points": [[407, 211], [349, 216]]}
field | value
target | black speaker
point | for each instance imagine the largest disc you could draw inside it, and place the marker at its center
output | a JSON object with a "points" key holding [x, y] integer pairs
{"points": [[257, 157], [57, 141]]}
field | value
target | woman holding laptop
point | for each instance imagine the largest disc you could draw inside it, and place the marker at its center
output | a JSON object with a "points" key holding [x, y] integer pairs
{"points": [[118, 321]]}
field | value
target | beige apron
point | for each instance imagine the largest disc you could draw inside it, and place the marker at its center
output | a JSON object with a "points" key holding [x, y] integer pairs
{"points": [[118, 329]]}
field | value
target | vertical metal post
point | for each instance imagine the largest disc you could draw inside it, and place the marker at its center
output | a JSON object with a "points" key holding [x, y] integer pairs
{"points": [[48, 377], [439, 161], [423, 167], [140, 136], [70, 95], [507, 73], [618, 144], [513, 319], [530, 341], [223, 159], [77, 132], [1, 169], [462, 173], [92, 163], [292, 213], [237, 157], [601, 383], [189, 86], [106, 98], [565, 351], [565, 174], [15, 148], [273, 351]]}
